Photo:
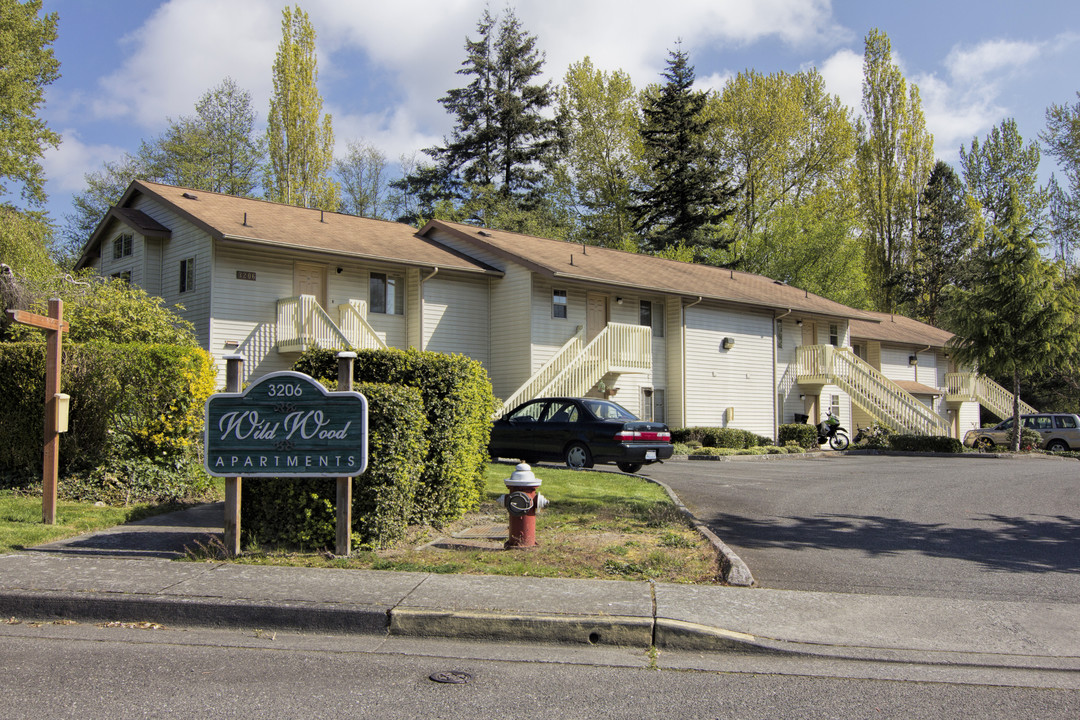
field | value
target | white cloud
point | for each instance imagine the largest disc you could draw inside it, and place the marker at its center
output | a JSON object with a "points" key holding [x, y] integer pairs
{"points": [[988, 60], [66, 165], [183, 50], [843, 75]]}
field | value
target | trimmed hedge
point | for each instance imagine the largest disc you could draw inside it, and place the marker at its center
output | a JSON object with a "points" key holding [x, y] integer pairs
{"points": [[135, 417], [458, 404], [719, 437], [803, 435], [925, 443], [300, 512]]}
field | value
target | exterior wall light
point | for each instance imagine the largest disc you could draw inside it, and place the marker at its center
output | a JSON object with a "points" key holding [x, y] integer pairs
{"points": [[728, 343], [913, 360]]}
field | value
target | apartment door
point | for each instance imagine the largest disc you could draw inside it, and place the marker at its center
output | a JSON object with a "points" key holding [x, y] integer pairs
{"points": [[809, 333], [596, 314], [310, 280]]}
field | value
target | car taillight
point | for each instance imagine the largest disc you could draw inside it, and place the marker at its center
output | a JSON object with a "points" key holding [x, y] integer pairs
{"points": [[643, 436]]}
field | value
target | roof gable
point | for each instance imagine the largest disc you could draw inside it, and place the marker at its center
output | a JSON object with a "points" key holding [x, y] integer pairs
{"points": [[892, 328]]}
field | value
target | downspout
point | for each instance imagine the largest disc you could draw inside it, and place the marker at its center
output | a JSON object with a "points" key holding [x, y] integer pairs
{"points": [[917, 362], [776, 408], [683, 357]]}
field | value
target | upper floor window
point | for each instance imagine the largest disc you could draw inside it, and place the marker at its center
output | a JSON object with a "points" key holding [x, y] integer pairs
{"points": [[121, 247], [558, 303], [187, 275], [386, 294], [653, 316], [834, 335]]}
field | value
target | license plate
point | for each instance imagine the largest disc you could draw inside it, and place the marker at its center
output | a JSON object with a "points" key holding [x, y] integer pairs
{"points": [[650, 454]]}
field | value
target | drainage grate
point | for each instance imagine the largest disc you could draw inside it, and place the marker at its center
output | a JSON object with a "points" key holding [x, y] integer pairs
{"points": [[484, 532], [452, 677]]}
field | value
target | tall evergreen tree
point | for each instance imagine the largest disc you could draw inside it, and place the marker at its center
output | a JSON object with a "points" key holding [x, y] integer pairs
{"points": [[686, 194], [502, 143], [948, 232], [1020, 317], [895, 157], [300, 145]]}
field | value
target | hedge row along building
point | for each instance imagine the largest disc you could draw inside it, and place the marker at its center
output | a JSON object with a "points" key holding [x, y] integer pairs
{"points": [[677, 342]]}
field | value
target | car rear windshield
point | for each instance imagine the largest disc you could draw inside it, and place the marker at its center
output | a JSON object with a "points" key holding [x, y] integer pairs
{"points": [[606, 410]]}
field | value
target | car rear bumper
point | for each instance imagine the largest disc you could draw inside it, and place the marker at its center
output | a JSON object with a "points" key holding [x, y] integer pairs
{"points": [[639, 453]]}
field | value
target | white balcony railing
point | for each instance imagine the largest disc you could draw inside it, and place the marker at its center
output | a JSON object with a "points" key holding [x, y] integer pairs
{"points": [[303, 324]]}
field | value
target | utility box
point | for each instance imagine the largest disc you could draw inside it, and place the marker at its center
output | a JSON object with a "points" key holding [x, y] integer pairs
{"points": [[63, 404]]}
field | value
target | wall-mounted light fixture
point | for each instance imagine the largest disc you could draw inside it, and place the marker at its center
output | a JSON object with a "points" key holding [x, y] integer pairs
{"points": [[802, 397], [913, 360], [728, 343], [799, 323], [340, 270], [618, 301]]}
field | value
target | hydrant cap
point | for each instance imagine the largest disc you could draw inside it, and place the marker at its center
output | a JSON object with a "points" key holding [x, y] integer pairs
{"points": [[522, 477]]}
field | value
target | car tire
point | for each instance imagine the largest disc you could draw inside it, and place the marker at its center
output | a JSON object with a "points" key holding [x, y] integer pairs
{"points": [[983, 444], [628, 467], [578, 456], [1057, 446]]}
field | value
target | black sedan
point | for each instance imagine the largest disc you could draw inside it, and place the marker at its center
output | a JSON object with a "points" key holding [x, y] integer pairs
{"points": [[581, 432]]}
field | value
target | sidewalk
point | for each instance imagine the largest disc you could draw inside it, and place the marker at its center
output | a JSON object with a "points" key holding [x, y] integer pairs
{"points": [[124, 575]]}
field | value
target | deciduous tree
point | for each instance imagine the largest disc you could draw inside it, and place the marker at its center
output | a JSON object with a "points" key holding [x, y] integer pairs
{"points": [[300, 145], [894, 161], [364, 181]]}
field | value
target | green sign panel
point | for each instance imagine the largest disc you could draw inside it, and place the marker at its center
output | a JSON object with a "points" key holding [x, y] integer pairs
{"points": [[286, 425]]}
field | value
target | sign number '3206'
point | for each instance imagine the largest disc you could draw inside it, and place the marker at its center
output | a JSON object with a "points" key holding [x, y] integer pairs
{"points": [[283, 390]]}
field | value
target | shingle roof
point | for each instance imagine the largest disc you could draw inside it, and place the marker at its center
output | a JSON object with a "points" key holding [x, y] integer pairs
{"points": [[899, 329], [140, 221], [917, 388], [236, 219], [559, 259]]}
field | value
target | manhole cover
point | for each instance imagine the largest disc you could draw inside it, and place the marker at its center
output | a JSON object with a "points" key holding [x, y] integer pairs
{"points": [[484, 532], [452, 677]]}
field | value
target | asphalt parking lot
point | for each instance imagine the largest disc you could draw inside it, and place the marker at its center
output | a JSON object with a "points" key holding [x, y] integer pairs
{"points": [[963, 527]]}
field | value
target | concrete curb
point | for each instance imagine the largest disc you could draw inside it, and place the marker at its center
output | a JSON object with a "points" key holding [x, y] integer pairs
{"points": [[732, 568], [545, 628]]}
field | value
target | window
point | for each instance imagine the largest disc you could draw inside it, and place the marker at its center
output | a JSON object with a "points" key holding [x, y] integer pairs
{"points": [[121, 247], [652, 317], [386, 294], [1065, 421], [779, 333], [558, 303], [123, 276], [834, 335], [834, 406], [187, 275]]}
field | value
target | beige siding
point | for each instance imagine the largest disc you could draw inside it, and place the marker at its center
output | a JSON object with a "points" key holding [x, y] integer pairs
{"points": [[414, 310], [676, 401], [456, 317], [135, 263], [739, 378], [186, 241], [510, 298], [551, 333], [894, 363]]}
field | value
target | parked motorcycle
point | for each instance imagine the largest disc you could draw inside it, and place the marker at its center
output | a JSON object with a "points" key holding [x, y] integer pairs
{"points": [[830, 431]]}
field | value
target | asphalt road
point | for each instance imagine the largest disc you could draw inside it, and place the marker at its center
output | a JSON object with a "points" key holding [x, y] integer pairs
{"points": [[966, 527]]}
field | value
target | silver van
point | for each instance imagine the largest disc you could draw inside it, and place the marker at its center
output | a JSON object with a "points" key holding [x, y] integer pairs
{"points": [[1059, 431]]}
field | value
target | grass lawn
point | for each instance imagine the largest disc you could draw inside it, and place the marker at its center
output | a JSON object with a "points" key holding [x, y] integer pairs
{"points": [[21, 526], [598, 525]]}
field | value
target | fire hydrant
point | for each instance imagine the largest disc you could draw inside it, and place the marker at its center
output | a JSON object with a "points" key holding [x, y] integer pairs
{"points": [[523, 501]]}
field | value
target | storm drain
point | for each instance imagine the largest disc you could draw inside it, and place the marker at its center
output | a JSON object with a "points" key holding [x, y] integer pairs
{"points": [[484, 532]]}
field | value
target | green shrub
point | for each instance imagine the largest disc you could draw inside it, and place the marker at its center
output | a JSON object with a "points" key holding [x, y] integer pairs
{"points": [[773, 449], [926, 443], [733, 438], [300, 512], [135, 418], [714, 451], [458, 403], [803, 435]]}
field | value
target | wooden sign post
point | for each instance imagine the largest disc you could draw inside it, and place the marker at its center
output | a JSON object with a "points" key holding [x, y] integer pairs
{"points": [[54, 327], [286, 424]]}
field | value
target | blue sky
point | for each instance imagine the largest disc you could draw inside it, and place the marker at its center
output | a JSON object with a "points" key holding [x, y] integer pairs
{"points": [[129, 66]]}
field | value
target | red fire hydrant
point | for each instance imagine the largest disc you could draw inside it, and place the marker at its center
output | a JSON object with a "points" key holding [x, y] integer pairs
{"points": [[523, 501]]}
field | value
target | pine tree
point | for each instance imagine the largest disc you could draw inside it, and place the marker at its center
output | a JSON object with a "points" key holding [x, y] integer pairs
{"points": [[501, 142], [686, 193], [1020, 317], [300, 147]]}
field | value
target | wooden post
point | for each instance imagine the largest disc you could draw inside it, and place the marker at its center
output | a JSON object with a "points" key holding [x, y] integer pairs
{"points": [[344, 484], [54, 327], [234, 372]]}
